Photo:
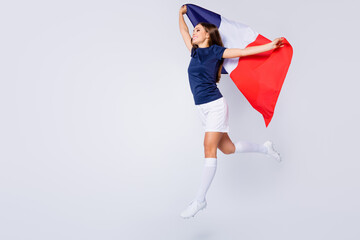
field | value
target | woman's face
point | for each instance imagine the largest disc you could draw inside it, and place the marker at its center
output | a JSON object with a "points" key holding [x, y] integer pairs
{"points": [[199, 34]]}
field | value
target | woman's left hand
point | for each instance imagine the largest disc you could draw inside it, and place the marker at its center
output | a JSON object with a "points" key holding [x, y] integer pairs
{"points": [[278, 42]]}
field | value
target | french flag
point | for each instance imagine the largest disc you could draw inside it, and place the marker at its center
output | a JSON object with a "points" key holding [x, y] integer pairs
{"points": [[259, 77]]}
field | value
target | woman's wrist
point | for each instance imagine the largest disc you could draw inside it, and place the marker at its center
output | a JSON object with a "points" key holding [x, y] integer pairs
{"points": [[271, 45]]}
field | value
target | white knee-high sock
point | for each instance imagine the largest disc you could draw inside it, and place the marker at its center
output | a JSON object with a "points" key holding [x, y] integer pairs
{"points": [[242, 146], [207, 177]]}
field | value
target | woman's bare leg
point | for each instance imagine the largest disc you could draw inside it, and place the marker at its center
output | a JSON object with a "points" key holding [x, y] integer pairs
{"points": [[211, 142], [226, 145]]}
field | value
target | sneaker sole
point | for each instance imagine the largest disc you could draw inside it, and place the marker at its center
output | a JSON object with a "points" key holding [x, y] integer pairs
{"points": [[194, 214]]}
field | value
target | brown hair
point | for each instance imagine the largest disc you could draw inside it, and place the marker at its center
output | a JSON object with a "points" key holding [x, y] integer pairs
{"points": [[215, 38]]}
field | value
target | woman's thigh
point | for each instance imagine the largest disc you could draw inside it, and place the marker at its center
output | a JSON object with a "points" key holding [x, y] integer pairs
{"points": [[226, 145]]}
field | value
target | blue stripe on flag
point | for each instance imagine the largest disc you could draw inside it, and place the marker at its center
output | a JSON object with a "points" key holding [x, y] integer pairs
{"points": [[198, 14]]}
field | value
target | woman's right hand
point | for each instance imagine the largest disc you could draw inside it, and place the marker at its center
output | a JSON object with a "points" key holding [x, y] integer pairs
{"points": [[183, 9]]}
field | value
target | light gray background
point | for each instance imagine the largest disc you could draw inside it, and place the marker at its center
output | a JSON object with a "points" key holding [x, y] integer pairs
{"points": [[100, 138]]}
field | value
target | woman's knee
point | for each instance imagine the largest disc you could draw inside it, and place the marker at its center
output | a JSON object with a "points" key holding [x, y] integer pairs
{"points": [[211, 142], [209, 149]]}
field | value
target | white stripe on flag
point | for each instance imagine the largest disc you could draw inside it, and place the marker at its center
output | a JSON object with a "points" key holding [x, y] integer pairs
{"points": [[235, 35]]}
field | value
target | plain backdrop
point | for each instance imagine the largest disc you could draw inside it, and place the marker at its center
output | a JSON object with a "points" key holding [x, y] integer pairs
{"points": [[100, 138]]}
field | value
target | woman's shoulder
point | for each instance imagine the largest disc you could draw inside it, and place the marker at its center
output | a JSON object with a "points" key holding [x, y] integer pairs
{"points": [[192, 51], [217, 46], [218, 51]]}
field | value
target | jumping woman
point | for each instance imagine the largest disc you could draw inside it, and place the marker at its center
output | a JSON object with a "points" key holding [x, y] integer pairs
{"points": [[207, 56]]}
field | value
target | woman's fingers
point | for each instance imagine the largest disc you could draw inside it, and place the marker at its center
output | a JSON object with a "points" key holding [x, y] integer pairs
{"points": [[278, 42], [183, 9]]}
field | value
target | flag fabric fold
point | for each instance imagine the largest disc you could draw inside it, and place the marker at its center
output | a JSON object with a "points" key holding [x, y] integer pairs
{"points": [[259, 77]]}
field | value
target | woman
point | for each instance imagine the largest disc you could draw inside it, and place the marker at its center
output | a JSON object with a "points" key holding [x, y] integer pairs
{"points": [[207, 56]]}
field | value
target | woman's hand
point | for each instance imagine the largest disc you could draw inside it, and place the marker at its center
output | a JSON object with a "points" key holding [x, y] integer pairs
{"points": [[183, 9], [278, 42]]}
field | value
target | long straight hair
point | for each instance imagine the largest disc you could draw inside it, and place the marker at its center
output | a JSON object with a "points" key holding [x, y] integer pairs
{"points": [[215, 38]]}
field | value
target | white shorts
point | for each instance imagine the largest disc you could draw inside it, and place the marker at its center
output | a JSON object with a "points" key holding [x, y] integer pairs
{"points": [[214, 115]]}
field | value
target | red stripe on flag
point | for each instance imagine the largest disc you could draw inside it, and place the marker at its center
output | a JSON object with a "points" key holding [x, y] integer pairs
{"points": [[260, 77]]}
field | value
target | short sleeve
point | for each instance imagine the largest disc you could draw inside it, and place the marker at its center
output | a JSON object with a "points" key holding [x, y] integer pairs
{"points": [[218, 51], [192, 51]]}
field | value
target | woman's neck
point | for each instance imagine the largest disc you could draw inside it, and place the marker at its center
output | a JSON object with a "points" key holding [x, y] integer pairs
{"points": [[203, 45]]}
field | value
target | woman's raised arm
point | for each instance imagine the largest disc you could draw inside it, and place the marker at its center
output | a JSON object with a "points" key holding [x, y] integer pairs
{"points": [[184, 30]]}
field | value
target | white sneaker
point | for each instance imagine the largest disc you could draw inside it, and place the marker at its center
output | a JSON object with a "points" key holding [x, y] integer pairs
{"points": [[271, 151], [193, 208]]}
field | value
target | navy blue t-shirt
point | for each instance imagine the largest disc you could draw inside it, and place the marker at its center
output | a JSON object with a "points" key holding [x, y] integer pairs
{"points": [[203, 70]]}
